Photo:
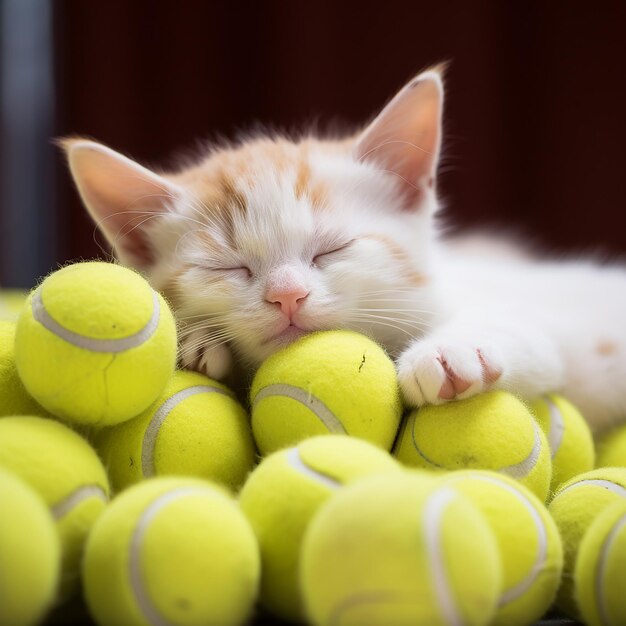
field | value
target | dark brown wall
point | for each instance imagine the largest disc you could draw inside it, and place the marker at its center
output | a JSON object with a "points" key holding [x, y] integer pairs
{"points": [[536, 138]]}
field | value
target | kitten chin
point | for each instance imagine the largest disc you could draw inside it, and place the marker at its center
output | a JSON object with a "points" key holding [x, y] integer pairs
{"points": [[257, 242], [285, 337], [256, 239]]}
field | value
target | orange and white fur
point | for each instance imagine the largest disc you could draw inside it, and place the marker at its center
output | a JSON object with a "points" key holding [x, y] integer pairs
{"points": [[260, 242]]}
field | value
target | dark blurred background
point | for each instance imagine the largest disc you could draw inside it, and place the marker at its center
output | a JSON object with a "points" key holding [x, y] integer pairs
{"points": [[535, 130]]}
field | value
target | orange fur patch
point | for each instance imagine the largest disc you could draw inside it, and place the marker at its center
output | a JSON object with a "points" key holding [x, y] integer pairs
{"points": [[606, 348], [414, 278], [217, 181]]}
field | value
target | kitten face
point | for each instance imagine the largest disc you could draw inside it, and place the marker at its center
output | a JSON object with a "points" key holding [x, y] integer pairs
{"points": [[308, 220], [258, 244]]}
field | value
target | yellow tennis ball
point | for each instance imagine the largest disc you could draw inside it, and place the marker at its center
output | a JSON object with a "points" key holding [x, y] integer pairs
{"points": [[66, 471], [569, 437], [574, 507], [528, 542], [599, 571], [14, 399], [11, 303], [171, 551], [196, 428], [30, 554], [400, 550], [281, 497], [327, 382], [611, 448], [95, 344], [493, 430]]}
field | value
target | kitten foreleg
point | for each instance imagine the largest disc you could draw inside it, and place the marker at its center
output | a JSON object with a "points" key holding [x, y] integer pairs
{"points": [[199, 354], [461, 359]]}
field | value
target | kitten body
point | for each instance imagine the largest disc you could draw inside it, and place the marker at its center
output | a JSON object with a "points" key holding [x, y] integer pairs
{"points": [[259, 243], [547, 325]]}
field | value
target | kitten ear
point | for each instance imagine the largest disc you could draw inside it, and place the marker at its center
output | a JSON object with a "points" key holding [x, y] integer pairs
{"points": [[120, 196], [405, 138]]}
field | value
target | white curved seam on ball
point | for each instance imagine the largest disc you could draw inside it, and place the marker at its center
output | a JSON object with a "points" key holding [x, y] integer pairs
{"points": [[557, 426], [600, 586], [525, 467], [62, 508], [542, 539], [525, 584], [141, 596], [153, 428], [295, 460], [519, 470], [90, 343], [321, 411], [595, 482], [433, 513]]}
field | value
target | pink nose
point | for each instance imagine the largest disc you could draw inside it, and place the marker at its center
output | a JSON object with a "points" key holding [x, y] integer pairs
{"points": [[289, 301]]}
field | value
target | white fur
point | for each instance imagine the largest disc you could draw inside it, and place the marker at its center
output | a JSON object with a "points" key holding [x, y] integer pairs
{"points": [[541, 323], [487, 316], [280, 230], [547, 322]]}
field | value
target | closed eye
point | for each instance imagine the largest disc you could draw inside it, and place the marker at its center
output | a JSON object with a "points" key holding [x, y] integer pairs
{"points": [[327, 253], [241, 269]]}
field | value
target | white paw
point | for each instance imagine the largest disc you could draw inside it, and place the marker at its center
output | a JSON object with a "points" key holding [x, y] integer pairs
{"points": [[435, 372], [197, 353]]}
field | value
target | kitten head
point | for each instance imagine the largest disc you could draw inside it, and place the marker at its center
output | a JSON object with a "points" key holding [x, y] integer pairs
{"points": [[261, 242]]}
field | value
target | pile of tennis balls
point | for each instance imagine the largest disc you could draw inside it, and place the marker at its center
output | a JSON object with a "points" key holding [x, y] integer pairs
{"points": [[162, 498]]}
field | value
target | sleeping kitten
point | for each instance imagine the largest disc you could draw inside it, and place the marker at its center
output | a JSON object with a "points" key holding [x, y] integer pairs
{"points": [[261, 242]]}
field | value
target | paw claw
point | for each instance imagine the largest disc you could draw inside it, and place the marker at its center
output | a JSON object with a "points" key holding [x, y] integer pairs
{"points": [[211, 360], [447, 391], [490, 374], [454, 385], [431, 374]]}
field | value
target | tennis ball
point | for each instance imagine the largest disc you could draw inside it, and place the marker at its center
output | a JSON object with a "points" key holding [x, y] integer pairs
{"points": [[14, 399], [400, 550], [30, 554], [574, 507], [599, 571], [569, 437], [326, 382], [492, 430], [171, 551], [196, 428], [11, 303], [95, 344], [612, 448], [66, 471], [281, 497], [528, 542]]}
